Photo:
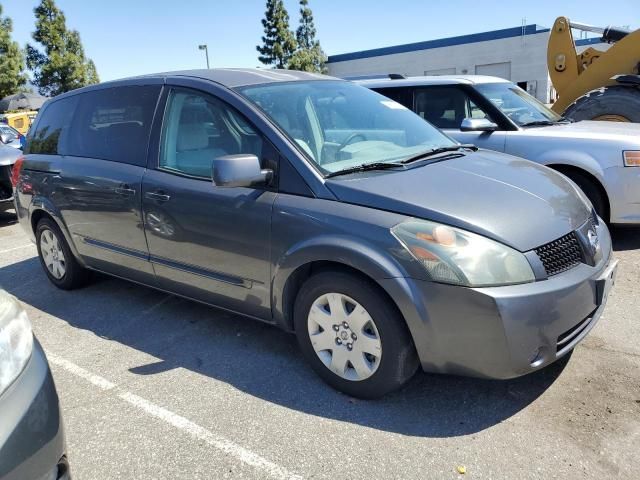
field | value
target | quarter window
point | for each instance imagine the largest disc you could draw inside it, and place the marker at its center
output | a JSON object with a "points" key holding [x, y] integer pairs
{"points": [[198, 128], [53, 127]]}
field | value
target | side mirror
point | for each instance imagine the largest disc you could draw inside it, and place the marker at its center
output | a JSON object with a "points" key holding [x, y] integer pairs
{"points": [[239, 171], [478, 125], [5, 137]]}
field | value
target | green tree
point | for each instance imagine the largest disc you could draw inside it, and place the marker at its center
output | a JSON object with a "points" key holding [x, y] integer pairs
{"points": [[309, 56], [60, 64], [278, 42], [12, 76]]}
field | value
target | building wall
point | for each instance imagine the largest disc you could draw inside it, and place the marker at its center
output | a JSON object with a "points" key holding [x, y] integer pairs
{"points": [[527, 56]]}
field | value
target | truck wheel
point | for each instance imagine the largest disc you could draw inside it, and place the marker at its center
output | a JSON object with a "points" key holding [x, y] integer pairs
{"points": [[615, 103], [352, 335], [56, 258]]}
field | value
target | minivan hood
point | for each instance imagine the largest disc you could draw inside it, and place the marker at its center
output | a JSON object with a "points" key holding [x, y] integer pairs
{"points": [[512, 200], [589, 129]]}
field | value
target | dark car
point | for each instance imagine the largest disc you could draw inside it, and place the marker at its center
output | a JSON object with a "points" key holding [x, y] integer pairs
{"points": [[321, 207], [8, 157], [32, 444]]}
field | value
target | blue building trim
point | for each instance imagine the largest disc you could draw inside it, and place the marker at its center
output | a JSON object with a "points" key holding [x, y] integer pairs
{"points": [[440, 43]]}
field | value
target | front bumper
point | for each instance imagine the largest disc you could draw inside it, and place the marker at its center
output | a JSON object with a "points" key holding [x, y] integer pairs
{"points": [[32, 443], [504, 332], [623, 188]]}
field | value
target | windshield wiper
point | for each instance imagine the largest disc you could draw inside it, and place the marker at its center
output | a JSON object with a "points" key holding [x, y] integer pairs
{"points": [[364, 168], [437, 151], [536, 123]]}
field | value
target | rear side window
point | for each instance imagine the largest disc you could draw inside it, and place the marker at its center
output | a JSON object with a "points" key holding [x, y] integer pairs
{"points": [[114, 124], [52, 128]]}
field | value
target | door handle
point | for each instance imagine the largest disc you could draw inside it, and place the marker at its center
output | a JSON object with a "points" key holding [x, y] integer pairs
{"points": [[125, 190], [157, 196]]}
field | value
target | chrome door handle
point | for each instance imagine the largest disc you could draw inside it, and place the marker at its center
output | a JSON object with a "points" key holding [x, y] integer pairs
{"points": [[125, 190], [157, 196]]}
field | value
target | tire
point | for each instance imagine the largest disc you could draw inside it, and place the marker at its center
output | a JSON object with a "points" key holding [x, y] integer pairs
{"points": [[386, 369], [615, 103], [592, 191], [56, 258]]}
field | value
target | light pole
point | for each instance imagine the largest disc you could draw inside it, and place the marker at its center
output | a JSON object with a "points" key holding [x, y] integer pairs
{"points": [[206, 52]]}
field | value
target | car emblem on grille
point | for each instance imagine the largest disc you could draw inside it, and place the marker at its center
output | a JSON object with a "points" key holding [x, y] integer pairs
{"points": [[594, 241]]}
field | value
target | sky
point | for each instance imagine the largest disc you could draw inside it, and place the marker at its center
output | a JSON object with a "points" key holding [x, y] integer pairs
{"points": [[133, 37]]}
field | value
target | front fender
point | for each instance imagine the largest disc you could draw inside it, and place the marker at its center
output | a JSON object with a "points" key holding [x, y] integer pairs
{"points": [[581, 160], [357, 254]]}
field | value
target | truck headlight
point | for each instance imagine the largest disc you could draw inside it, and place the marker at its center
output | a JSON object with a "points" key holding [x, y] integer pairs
{"points": [[631, 158], [16, 340], [454, 256]]}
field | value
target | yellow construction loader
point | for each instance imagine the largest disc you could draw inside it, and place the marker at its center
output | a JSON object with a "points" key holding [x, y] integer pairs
{"points": [[595, 84]]}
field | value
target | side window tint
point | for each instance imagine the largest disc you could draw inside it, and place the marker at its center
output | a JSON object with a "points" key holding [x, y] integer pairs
{"points": [[52, 128], [199, 128], [400, 95], [444, 107], [114, 124]]}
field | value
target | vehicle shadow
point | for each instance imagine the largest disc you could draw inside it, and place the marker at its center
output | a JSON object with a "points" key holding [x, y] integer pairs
{"points": [[625, 238], [265, 362]]}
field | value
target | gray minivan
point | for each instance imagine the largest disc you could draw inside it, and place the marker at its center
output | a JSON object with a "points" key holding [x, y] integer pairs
{"points": [[32, 438], [321, 207]]}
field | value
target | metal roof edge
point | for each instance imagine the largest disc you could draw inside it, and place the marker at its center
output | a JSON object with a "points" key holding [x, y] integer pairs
{"points": [[531, 29]]}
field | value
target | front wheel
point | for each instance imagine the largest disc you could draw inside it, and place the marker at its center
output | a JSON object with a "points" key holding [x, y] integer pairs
{"points": [[592, 192], [352, 335]]}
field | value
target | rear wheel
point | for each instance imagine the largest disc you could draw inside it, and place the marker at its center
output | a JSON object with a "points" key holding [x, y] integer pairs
{"points": [[352, 335], [615, 103], [56, 258]]}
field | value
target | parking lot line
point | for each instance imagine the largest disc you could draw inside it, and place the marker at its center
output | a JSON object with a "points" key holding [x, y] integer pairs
{"points": [[181, 423], [17, 248]]}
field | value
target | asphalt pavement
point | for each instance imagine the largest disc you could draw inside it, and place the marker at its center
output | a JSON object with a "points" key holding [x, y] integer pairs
{"points": [[154, 386]]}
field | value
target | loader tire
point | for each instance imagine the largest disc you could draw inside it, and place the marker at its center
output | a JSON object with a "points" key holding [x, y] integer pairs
{"points": [[615, 103]]}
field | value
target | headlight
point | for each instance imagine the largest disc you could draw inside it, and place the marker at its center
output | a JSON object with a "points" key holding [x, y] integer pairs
{"points": [[454, 256], [631, 158], [16, 340]]}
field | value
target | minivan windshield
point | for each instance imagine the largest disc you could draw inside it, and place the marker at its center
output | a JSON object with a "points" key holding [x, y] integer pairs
{"points": [[340, 125], [518, 105]]}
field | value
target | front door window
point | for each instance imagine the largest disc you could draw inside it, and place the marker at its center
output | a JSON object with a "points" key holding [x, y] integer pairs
{"points": [[200, 128], [447, 107]]}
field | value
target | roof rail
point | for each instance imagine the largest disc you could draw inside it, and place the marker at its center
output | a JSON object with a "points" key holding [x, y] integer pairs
{"points": [[375, 76]]}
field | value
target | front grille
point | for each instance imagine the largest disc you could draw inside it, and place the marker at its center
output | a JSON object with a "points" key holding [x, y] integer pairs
{"points": [[561, 255]]}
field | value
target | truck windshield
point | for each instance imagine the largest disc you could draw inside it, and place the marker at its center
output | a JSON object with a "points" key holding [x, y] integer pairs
{"points": [[518, 105], [339, 125]]}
